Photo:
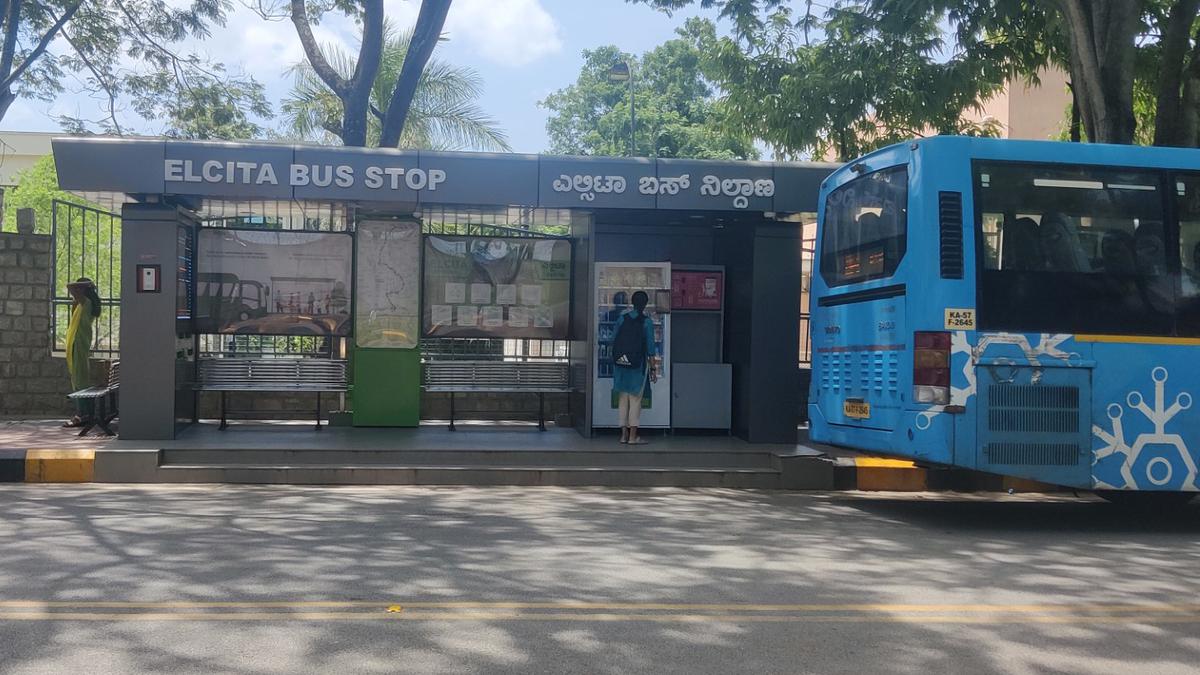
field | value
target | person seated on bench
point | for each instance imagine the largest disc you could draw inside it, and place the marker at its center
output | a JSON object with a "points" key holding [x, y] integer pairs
{"points": [[79, 345]]}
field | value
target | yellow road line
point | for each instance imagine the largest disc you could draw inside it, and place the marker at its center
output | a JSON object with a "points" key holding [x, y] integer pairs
{"points": [[585, 605], [592, 617]]}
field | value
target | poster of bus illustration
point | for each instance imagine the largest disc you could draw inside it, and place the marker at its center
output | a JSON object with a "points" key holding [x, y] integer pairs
{"points": [[273, 283]]}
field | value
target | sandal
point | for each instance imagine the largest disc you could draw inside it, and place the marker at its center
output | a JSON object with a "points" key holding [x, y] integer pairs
{"points": [[640, 441]]}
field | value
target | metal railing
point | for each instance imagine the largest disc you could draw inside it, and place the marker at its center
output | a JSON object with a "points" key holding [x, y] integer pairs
{"points": [[86, 242]]}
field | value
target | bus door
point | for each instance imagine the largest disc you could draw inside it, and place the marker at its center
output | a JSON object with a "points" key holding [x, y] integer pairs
{"points": [[1034, 408]]}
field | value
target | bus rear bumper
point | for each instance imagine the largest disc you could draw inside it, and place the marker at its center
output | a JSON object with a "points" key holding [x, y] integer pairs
{"points": [[920, 436]]}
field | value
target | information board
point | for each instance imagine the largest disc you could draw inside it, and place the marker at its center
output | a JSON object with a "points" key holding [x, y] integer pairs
{"points": [[497, 287], [697, 290], [387, 296], [273, 282]]}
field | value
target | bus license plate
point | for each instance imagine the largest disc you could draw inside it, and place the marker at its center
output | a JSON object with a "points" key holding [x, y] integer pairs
{"points": [[859, 410]]}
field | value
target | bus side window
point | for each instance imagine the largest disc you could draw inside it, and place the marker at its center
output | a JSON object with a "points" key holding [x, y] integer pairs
{"points": [[1187, 191], [1022, 248], [1059, 235]]}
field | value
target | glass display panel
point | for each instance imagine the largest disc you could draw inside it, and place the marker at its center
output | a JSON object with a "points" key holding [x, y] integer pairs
{"points": [[497, 287], [273, 282]]}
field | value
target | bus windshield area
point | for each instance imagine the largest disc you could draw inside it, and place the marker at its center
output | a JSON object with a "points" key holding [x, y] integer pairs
{"points": [[865, 227], [1088, 250]]}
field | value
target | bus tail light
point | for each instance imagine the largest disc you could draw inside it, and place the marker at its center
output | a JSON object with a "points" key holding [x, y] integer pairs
{"points": [[931, 367]]}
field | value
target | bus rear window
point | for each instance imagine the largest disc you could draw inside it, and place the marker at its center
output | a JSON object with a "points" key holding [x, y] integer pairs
{"points": [[865, 228]]}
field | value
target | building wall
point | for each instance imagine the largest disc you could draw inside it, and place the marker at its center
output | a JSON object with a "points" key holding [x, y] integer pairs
{"points": [[1035, 113], [19, 150]]}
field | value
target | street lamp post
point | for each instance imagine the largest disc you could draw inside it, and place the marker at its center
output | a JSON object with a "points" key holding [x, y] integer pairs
{"points": [[621, 71]]}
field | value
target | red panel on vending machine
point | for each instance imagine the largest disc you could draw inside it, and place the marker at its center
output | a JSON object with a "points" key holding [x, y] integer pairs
{"points": [[697, 290]]}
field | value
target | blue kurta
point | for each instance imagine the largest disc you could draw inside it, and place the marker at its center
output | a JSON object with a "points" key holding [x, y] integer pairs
{"points": [[633, 380]]}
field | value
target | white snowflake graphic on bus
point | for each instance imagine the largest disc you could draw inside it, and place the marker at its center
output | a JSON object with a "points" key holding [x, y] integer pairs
{"points": [[1159, 447]]}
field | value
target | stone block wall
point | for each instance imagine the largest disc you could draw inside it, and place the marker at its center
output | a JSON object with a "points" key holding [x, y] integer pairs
{"points": [[32, 382]]}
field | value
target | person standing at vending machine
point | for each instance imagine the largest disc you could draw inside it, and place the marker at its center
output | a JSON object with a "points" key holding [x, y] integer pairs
{"points": [[633, 368]]}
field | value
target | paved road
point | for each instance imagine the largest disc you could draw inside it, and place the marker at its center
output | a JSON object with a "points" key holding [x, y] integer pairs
{"points": [[109, 579]]}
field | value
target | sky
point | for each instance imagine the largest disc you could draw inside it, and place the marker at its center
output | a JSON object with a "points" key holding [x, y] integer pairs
{"points": [[523, 49]]}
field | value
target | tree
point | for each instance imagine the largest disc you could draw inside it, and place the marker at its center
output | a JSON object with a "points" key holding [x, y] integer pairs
{"points": [[840, 84], [1114, 50], [443, 114], [36, 188], [354, 89], [673, 104], [119, 50]]}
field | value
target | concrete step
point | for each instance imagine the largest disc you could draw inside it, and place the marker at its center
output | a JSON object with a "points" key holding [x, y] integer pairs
{"points": [[383, 474], [617, 457]]}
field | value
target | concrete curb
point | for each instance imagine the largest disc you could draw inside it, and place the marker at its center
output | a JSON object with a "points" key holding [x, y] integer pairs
{"points": [[12, 466], [79, 465]]}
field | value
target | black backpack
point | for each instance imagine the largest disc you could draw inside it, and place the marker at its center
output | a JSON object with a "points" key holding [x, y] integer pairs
{"points": [[629, 345]]}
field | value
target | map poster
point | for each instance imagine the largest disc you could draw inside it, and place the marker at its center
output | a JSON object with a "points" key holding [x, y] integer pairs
{"points": [[512, 287], [273, 282], [387, 295]]}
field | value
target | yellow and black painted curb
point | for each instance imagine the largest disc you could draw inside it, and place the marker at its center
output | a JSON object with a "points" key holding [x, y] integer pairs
{"points": [[46, 465], [880, 474]]}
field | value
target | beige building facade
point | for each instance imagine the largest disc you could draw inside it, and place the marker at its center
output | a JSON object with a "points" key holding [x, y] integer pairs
{"points": [[19, 150], [1037, 112]]}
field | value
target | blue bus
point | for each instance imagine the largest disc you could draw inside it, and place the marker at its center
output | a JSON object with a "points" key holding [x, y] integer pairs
{"points": [[1022, 308]]}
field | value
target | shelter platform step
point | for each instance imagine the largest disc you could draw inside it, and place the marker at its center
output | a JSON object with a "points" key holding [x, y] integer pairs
{"points": [[474, 475], [548, 459]]}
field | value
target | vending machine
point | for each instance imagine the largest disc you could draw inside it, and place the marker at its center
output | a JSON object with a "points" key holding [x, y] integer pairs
{"points": [[615, 285]]}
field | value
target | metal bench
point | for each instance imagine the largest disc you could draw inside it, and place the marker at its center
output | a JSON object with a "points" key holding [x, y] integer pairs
{"points": [[102, 394], [533, 377], [276, 375]]}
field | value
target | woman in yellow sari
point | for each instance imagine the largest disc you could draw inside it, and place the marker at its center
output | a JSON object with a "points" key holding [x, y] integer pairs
{"points": [[79, 343]]}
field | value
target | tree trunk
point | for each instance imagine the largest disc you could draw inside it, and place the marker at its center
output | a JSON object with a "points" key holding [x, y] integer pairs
{"points": [[1101, 35], [7, 98], [1189, 118], [1174, 44], [356, 103], [425, 37], [1076, 121]]}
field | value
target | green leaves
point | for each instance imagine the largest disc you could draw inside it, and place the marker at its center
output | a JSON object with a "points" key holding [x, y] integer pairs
{"points": [[444, 114], [129, 54], [675, 111]]}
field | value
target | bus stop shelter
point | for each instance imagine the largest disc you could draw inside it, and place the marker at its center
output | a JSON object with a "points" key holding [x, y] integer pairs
{"points": [[725, 236]]}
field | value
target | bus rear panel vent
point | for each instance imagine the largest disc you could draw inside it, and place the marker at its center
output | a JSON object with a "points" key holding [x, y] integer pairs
{"points": [[950, 220], [1033, 454], [1033, 409]]}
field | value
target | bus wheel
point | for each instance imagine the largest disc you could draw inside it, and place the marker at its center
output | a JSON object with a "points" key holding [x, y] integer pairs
{"points": [[1149, 501]]}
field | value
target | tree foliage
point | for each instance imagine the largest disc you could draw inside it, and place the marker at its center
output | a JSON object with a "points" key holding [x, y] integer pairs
{"points": [[907, 65], [444, 114], [126, 53], [36, 188], [673, 106]]}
